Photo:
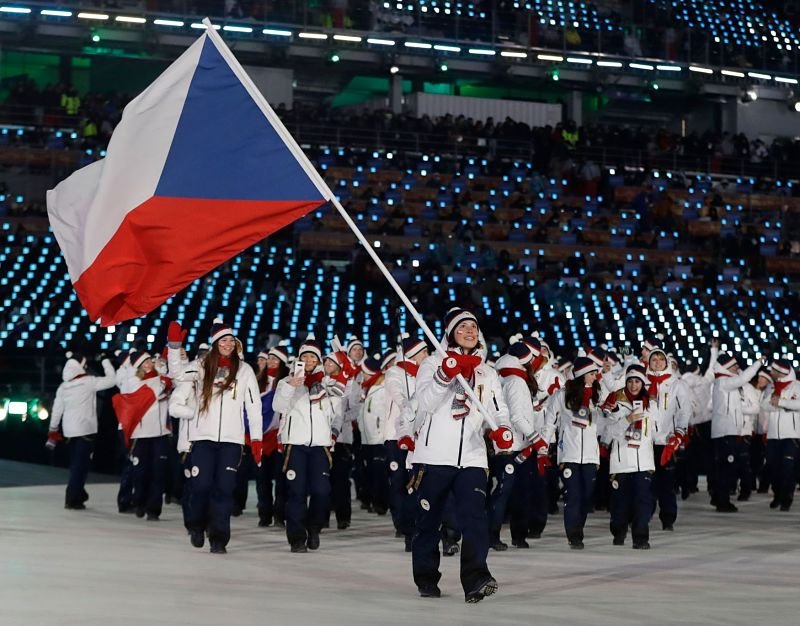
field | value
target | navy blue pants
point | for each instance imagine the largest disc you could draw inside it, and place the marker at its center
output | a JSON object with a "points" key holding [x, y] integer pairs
{"points": [[268, 474], [341, 470], [214, 467], [80, 459], [149, 461], [468, 486], [536, 493], [186, 492], [781, 459], [376, 478], [664, 489], [503, 474], [125, 493], [247, 471], [578, 479], [758, 468], [401, 503], [631, 504], [308, 481]]}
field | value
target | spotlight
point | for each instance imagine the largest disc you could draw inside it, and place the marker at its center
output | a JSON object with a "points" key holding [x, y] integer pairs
{"points": [[443, 67], [394, 69], [334, 57], [95, 38], [554, 74], [748, 94]]}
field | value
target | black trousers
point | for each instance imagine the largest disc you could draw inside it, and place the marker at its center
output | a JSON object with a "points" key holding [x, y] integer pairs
{"points": [[468, 486]]}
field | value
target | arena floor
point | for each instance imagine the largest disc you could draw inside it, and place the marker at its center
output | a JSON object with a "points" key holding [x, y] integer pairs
{"points": [[99, 567]]}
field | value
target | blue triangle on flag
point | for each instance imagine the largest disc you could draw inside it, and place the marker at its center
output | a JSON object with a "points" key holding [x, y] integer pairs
{"points": [[224, 148]]}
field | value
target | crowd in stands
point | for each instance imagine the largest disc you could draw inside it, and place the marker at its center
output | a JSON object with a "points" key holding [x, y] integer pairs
{"points": [[678, 31]]}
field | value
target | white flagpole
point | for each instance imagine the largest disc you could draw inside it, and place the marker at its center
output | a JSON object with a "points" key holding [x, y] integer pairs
{"points": [[323, 188]]}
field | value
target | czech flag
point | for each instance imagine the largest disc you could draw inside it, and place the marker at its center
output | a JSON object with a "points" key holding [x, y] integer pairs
{"points": [[198, 169]]}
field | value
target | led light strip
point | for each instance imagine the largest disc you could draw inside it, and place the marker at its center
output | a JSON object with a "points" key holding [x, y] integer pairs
{"points": [[93, 16]]}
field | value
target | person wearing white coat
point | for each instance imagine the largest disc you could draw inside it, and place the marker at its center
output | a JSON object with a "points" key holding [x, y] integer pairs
{"points": [[512, 472], [149, 440], [401, 385], [783, 435], [670, 410], [224, 388], [450, 455], [632, 464], [758, 445], [727, 423], [574, 413], [75, 413], [372, 423], [307, 412]]}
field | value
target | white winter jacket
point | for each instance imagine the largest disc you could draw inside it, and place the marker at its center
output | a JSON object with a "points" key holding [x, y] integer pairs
{"points": [[155, 420], [400, 387], [75, 403], [575, 444], [549, 380], [223, 420], [784, 421], [727, 401], [625, 455], [671, 408], [372, 418], [443, 440], [518, 398], [751, 407], [304, 421], [341, 425], [184, 392]]}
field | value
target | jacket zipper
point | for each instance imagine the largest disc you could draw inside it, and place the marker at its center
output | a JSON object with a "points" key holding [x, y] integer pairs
{"points": [[428, 436], [289, 429], [311, 419], [461, 443], [221, 399]]}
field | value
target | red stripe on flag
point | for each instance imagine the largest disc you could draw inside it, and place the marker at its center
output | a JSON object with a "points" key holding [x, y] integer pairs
{"points": [[166, 243]]}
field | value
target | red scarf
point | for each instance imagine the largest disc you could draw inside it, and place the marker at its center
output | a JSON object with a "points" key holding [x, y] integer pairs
{"points": [[223, 361], [655, 381], [719, 375], [370, 381], [629, 396], [587, 396], [272, 372], [779, 387], [312, 379], [150, 374], [409, 367], [511, 371]]}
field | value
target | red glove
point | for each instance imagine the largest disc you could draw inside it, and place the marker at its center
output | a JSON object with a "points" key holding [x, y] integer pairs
{"points": [[406, 443], [503, 438], [167, 383], [605, 452], [449, 369], [53, 438], [279, 447], [673, 443], [176, 334], [256, 447], [334, 437], [543, 462]]}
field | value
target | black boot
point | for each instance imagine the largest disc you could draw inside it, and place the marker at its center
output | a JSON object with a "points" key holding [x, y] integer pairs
{"points": [[520, 543], [575, 539], [218, 548], [430, 591], [197, 537], [408, 540], [485, 589], [726, 507], [299, 547], [343, 525], [313, 539], [496, 544], [449, 549]]}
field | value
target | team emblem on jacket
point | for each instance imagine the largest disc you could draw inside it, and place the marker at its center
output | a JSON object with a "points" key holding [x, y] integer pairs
{"points": [[195, 471], [134, 460], [425, 504], [567, 472], [730, 458], [509, 469], [291, 475], [187, 473], [615, 484], [394, 466]]}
